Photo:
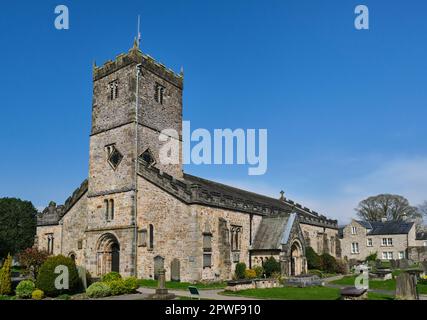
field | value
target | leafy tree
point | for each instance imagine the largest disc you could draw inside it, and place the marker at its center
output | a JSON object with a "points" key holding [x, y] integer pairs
{"points": [[17, 225], [422, 208], [271, 266], [389, 206], [313, 259], [31, 259]]}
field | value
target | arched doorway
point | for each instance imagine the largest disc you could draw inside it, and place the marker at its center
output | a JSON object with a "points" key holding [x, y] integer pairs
{"points": [[108, 254], [72, 255], [296, 259]]}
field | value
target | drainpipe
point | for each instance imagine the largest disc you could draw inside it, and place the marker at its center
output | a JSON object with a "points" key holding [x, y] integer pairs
{"points": [[250, 240], [138, 72]]}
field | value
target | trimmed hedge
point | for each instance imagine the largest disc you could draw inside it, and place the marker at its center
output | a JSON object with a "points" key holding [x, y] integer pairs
{"points": [[47, 276], [240, 270], [24, 289], [98, 290], [5, 277], [313, 259], [271, 266], [111, 276], [131, 284], [37, 294]]}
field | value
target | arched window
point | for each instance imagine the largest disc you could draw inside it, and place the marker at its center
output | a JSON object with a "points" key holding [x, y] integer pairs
{"points": [[111, 209], [151, 244]]}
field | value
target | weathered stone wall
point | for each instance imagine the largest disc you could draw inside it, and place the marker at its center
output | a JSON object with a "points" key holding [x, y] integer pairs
{"points": [[42, 238], [178, 234], [321, 239], [74, 225]]}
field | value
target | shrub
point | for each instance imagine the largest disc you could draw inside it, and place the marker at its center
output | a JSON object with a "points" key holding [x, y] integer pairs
{"points": [[372, 257], [64, 297], [271, 266], [47, 276], [250, 274], [328, 263], [117, 287], [111, 276], [5, 277], [313, 259], [316, 273], [25, 289], [240, 270], [131, 284], [37, 294], [31, 260], [98, 290], [259, 271]]}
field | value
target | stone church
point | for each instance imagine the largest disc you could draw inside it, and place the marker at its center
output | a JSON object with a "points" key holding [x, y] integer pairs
{"points": [[136, 216]]}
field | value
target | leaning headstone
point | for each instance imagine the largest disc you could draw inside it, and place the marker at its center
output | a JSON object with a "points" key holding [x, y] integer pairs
{"points": [[406, 287], [82, 275], [404, 264]]}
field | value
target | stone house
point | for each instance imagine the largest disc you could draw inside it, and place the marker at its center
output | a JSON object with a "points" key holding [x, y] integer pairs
{"points": [[391, 240], [136, 215]]}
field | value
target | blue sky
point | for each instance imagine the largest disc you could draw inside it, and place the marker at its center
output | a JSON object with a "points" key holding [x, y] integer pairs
{"points": [[345, 109]]}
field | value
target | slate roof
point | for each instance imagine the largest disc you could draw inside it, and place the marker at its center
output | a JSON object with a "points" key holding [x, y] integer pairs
{"points": [[388, 227], [270, 232]]}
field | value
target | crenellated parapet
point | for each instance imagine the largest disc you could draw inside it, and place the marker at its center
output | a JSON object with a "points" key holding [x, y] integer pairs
{"points": [[194, 190], [135, 56], [52, 214]]}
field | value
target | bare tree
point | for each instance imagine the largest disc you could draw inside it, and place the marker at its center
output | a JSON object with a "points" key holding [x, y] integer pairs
{"points": [[389, 206]]}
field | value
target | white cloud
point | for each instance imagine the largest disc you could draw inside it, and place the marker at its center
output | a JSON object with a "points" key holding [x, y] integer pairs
{"points": [[406, 177]]}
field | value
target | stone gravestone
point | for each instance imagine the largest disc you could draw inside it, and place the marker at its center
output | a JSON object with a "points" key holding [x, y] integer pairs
{"points": [[406, 287], [404, 264], [82, 275], [175, 270], [394, 264], [424, 266]]}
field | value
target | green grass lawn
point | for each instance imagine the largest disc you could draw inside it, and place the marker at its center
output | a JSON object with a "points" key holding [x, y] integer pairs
{"points": [[290, 293], [389, 285], [2, 298], [148, 283]]}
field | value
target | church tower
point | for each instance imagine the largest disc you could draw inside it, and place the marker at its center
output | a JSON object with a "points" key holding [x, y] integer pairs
{"points": [[123, 131]]}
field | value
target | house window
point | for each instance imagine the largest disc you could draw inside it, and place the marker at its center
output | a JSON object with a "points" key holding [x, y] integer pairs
{"points": [[355, 247], [353, 230], [425, 243], [142, 238], [207, 260], [151, 240], [384, 242], [80, 244], [114, 89], [369, 242], [158, 93], [402, 255], [388, 255], [236, 232], [389, 242]]}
